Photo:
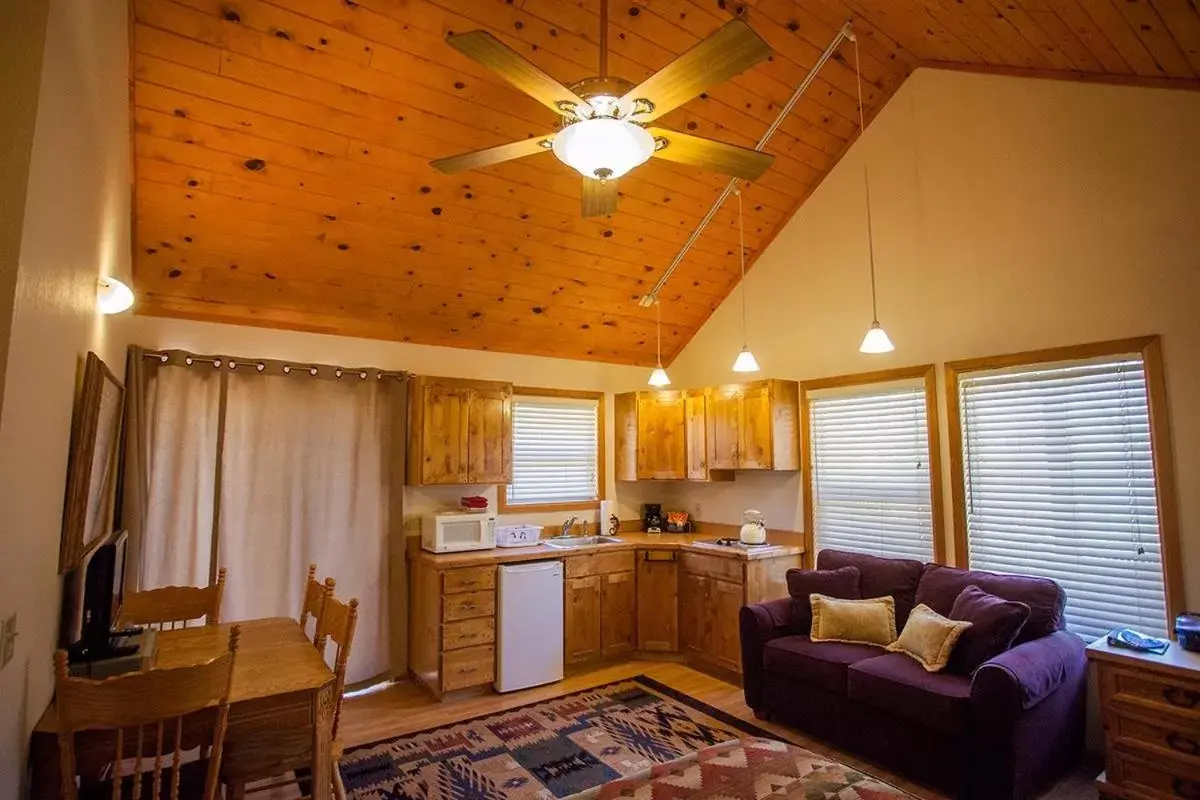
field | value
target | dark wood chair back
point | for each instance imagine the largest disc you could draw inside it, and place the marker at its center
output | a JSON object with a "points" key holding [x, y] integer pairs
{"points": [[146, 711], [172, 607]]}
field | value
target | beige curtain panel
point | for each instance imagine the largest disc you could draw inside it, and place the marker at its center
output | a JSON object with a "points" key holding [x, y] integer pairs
{"points": [[264, 467]]}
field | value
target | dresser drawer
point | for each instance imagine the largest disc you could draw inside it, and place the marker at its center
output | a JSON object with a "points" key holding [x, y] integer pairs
{"points": [[1157, 778], [1158, 694], [468, 633], [599, 564], [468, 606], [472, 666], [468, 579], [726, 569]]}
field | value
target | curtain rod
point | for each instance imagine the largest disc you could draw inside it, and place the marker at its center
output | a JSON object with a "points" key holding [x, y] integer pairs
{"points": [[846, 33], [184, 358]]}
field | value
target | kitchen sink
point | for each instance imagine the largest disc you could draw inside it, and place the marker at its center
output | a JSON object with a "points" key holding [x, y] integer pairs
{"points": [[570, 542]]}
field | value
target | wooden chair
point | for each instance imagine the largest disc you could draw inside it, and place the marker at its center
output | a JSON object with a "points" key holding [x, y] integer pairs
{"points": [[146, 701], [172, 607], [315, 594]]}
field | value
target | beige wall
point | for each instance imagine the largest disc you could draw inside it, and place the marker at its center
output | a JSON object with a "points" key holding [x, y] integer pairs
{"points": [[76, 226], [554, 373], [1010, 214]]}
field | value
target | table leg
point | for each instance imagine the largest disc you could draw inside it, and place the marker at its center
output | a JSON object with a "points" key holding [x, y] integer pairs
{"points": [[322, 777]]}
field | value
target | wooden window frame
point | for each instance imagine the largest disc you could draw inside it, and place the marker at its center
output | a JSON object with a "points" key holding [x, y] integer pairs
{"points": [[1166, 498], [926, 373], [504, 507]]}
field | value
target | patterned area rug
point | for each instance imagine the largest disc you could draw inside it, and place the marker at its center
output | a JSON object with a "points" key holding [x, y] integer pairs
{"points": [[557, 748]]}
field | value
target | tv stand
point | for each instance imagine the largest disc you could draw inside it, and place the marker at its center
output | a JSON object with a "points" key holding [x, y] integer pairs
{"points": [[117, 653]]}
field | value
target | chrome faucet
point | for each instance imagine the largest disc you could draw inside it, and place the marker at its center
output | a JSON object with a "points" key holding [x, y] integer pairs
{"points": [[566, 526]]}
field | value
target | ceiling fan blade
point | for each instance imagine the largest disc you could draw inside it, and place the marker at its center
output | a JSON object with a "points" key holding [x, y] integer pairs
{"points": [[493, 155], [599, 197], [733, 48], [489, 51], [696, 151]]}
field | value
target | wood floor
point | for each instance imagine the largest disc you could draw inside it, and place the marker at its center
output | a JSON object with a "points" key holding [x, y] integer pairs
{"points": [[406, 708]]}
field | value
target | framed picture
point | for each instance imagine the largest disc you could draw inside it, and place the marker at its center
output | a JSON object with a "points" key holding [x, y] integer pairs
{"points": [[91, 470]]}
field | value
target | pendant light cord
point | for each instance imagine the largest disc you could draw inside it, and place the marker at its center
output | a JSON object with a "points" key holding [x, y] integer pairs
{"points": [[658, 319], [742, 257], [862, 128]]}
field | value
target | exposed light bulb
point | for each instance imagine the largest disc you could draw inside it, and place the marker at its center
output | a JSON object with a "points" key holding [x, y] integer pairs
{"points": [[602, 147], [876, 341], [659, 377], [745, 361], [112, 296]]}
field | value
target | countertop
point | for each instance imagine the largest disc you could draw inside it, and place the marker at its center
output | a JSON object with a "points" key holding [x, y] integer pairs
{"points": [[779, 544]]}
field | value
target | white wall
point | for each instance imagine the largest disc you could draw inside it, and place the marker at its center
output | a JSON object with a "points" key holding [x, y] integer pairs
{"points": [[75, 227], [534, 371], [1010, 214]]}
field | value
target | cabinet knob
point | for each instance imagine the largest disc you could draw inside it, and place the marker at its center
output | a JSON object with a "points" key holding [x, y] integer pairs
{"points": [[1183, 744], [1184, 698]]}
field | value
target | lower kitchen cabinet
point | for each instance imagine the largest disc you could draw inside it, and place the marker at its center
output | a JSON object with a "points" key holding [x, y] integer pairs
{"points": [[618, 602], [581, 619], [600, 605], [658, 600], [452, 627]]}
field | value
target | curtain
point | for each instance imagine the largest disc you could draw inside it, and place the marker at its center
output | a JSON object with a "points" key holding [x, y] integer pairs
{"points": [[294, 466]]}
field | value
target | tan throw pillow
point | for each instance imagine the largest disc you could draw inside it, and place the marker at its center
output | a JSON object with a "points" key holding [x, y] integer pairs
{"points": [[870, 621], [929, 638]]}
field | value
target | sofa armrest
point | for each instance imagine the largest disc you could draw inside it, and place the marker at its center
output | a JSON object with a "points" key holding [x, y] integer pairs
{"points": [[1027, 674], [757, 625]]}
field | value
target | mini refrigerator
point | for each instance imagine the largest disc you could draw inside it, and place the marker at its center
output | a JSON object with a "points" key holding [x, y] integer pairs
{"points": [[529, 625]]}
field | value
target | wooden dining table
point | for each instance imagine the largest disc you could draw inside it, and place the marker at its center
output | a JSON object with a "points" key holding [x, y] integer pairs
{"points": [[280, 706]]}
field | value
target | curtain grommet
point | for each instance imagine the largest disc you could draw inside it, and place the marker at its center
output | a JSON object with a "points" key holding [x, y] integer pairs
{"points": [[287, 369], [260, 366], [232, 364], [312, 371]]}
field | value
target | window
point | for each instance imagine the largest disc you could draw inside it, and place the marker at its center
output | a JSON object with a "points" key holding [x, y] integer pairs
{"points": [[558, 459], [873, 483], [1058, 480]]}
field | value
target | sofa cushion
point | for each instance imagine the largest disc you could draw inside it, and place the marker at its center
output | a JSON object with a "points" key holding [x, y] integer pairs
{"points": [[995, 623], [940, 587], [900, 686], [802, 583], [821, 664], [870, 621], [897, 577], [929, 638]]}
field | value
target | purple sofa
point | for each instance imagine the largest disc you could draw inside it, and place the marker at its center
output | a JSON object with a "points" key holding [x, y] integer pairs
{"points": [[1006, 731]]}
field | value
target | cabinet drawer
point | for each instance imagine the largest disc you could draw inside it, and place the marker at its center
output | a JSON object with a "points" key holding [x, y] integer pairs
{"points": [[1160, 694], [469, 579], [468, 606], [726, 569], [599, 564], [1159, 735], [1158, 778], [472, 666], [468, 633]]}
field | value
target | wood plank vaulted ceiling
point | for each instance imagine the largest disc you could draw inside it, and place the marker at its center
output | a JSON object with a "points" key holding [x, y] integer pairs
{"points": [[282, 150]]}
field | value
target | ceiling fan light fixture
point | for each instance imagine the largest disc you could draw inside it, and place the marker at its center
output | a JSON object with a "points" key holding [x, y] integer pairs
{"points": [[602, 147]]}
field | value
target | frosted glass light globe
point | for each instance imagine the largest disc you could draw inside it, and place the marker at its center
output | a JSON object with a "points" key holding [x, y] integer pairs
{"points": [[659, 377], [745, 361], [602, 148], [876, 341]]}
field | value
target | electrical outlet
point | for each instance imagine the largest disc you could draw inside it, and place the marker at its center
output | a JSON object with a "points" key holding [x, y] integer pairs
{"points": [[8, 640]]}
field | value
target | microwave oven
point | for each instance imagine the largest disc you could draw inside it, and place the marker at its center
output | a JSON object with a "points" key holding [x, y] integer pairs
{"points": [[455, 531]]}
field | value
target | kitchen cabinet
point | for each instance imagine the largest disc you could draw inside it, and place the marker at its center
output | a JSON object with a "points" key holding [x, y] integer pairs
{"points": [[460, 432], [657, 600], [452, 627], [754, 426], [600, 606], [651, 441]]}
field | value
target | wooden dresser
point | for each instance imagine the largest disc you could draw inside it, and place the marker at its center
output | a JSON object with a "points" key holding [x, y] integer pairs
{"points": [[1151, 711]]}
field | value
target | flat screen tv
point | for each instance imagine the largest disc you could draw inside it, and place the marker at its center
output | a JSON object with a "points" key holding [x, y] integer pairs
{"points": [[92, 595]]}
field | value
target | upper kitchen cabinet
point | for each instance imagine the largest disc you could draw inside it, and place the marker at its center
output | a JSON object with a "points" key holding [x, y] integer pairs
{"points": [[651, 435], [460, 432], [754, 426]]}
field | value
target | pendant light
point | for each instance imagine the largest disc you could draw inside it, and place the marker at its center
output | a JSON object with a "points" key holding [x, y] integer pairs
{"points": [[745, 361], [659, 376], [876, 340]]}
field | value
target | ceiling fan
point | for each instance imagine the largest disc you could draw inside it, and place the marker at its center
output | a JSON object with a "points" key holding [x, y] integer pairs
{"points": [[604, 127]]}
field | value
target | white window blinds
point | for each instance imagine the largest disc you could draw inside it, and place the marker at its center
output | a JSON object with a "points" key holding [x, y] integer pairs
{"points": [[555, 451], [870, 472], [1060, 483]]}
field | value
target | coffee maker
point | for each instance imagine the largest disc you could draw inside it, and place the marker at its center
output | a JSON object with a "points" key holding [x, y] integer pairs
{"points": [[652, 517]]}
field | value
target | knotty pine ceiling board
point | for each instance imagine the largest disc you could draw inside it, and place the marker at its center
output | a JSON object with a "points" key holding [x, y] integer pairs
{"points": [[282, 149]]}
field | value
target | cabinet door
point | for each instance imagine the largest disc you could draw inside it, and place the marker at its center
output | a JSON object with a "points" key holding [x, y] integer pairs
{"points": [[617, 623], [581, 634], [661, 436], [444, 434], [697, 436], [724, 413], [724, 605], [692, 611], [657, 601], [754, 443], [489, 445]]}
